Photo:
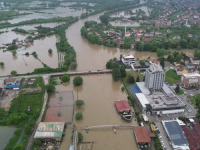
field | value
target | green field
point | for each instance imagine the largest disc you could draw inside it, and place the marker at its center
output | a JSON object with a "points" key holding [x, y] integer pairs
{"points": [[181, 92], [171, 77], [131, 73]]}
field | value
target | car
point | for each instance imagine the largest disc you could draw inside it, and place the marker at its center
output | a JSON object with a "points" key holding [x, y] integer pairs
{"points": [[160, 137], [189, 110]]}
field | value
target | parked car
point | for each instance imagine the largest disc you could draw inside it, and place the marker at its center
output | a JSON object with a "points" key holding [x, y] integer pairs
{"points": [[189, 110]]}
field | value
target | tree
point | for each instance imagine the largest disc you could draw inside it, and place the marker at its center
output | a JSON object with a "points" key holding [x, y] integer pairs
{"points": [[77, 81], [79, 116], [50, 88], [138, 79], [65, 78], [14, 53], [179, 57], [50, 51], [79, 103], [27, 53], [80, 137], [28, 129], [123, 72], [131, 79], [104, 18], [142, 62], [160, 52], [64, 68], [13, 73], [18, 147], [116, 74], [177, 89], [2, 64], [162, 62]]}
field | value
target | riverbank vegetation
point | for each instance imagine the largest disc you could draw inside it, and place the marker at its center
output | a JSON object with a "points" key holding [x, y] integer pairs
{"points": [[8, 15], [20, 116], [78, 81]]}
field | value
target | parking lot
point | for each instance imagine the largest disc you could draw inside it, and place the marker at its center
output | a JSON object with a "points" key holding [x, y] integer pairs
{"points": [[162, 136]]}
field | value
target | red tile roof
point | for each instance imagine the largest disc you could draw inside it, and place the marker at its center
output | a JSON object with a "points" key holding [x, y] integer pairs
{"points": [[10, 80], [122, 105], [193, 136], [142, 134]]}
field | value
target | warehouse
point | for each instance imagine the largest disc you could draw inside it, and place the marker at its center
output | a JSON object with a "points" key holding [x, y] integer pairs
{"points": [[175, 135]]}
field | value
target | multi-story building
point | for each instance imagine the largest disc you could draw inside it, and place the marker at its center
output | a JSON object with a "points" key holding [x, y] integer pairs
{"points": [[128, 60], [154, 77], [190, 79]]}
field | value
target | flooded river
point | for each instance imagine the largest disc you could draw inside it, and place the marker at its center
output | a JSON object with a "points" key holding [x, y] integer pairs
{"points": [[99, 109]]}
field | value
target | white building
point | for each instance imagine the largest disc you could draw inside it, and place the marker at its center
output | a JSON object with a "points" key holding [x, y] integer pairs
{"points": [[142, 101], [154, 77], [128, 60]]}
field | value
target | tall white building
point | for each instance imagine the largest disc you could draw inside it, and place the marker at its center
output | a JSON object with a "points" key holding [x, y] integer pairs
{"points": [[128, 60], [154, 77]]}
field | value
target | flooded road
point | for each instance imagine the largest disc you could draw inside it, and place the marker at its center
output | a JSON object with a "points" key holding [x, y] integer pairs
{"points": [[99, 109]]}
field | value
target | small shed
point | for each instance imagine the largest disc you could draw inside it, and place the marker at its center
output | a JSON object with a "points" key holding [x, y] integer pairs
{"points": [[29, 108]]}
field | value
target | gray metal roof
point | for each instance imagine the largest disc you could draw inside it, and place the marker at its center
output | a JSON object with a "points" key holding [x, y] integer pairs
{"points": [[175, 132]]}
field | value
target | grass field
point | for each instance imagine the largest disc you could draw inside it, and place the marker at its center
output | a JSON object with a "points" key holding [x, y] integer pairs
{"points": [[171, 77], [38, 81], [135, 74], [181, 92]]}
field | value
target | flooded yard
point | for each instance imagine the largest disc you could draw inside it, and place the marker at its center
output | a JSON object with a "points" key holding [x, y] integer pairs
{"points": [[99, 92], [5, 134]]}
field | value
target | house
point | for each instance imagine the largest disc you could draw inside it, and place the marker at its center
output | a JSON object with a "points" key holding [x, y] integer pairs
{"points": [[168, 31], [181, 70], [190, 79], [132, 46], [128, 59], [10, 81], [88, 29], [1, 93], [178, 37], [35, 33], [29, 108], [90, 33], [157, 33], [121, 43], [190, 35], [127, 34], [147, 39], [137, 38]]}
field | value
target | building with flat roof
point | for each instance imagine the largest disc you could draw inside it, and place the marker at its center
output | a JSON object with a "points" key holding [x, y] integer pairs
{"points": [[154, 77], [50, 130], [175, 134], [143, 102], [190, 79], [128, 59], [157, 102]]}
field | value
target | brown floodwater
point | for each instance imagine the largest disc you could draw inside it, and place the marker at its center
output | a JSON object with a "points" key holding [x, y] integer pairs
{"points": [[99, 109]]}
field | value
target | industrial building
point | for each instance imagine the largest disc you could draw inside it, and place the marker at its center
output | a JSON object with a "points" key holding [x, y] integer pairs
{"points": [[175, 135], [50, 130], [157, 102], [190, 79], [154, 77], [128, 60]]}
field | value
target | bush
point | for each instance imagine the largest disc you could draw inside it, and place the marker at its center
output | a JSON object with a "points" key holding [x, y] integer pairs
{"points": [[79, 116], [65, 78], [50, 51], [27, 53], [80, 137], [80, 103], [77, 81], [50, 88]]}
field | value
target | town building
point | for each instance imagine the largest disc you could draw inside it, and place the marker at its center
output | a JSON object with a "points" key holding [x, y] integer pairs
{"points": [[10, 81], [175, 134], [142, 135], [50, 131], [192, 133], [128, 60], [157, 102], [1, 93], [154, 77], [190, 79]]}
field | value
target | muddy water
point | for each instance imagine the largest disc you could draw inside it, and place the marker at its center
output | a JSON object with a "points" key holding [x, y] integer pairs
{"points": [[94, 57], [99, 93], [22, 63]]}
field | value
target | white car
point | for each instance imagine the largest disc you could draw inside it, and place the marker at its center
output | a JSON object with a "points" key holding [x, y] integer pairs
{"points": [[189, 110]]}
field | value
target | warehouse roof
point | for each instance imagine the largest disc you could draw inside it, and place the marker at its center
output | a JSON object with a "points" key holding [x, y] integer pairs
{"points": [[175, 133], [142, 99], [122, 105], [10, 80], [49, 130]]}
